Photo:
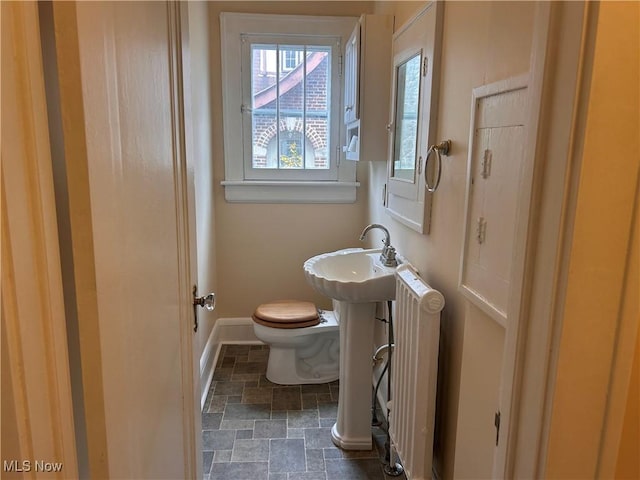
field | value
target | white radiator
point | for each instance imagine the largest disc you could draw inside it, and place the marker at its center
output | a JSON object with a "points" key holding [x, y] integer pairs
{"points": [[414, 371]]}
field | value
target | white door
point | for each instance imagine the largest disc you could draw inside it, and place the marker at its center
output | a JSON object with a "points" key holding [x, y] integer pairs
{"points": [[122, 108]]}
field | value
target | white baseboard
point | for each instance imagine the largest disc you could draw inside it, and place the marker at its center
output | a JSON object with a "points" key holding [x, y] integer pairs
{"points": [[208, 360], [236, 330], [225, 330]]}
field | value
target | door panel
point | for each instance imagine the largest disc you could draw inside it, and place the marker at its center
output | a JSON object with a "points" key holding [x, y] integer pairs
{"points": [[133, 214], [488, 272]]}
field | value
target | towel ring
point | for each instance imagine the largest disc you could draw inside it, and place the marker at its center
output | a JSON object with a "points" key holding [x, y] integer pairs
{"points": [[440, 149]]}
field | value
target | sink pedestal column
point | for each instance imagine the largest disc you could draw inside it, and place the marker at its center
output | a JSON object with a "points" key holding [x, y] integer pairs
{"points": [[352, 430]]}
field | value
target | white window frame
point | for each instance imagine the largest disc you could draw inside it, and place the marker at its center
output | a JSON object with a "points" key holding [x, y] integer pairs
{"points": [[341, 188]]}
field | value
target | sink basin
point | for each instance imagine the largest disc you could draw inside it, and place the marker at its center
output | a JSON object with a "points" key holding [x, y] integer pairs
{"points": [[353, 275]]}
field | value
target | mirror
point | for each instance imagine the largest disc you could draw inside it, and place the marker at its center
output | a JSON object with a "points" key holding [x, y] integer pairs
{"points": [[406, 119], [413, 101]]}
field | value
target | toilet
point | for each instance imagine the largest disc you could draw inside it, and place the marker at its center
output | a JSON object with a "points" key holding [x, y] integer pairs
{"points": [[304, 342]]}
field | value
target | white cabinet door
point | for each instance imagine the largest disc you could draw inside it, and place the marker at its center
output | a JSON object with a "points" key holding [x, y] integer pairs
{"points": [[496, 163], [351, 77], [416, 72], [367, 80]]}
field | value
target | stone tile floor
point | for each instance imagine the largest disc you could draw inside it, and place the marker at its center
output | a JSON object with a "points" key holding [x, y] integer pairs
{"points": [[253, 429]]}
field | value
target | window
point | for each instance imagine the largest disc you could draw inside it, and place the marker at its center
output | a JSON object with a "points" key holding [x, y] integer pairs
{"points": [[287, 97], [282, 114], [266, 61], [291, 58]]}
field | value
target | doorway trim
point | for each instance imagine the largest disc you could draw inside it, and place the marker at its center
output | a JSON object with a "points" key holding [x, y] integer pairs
{"points": [[33, 316], [562, 53], [178, 31]]}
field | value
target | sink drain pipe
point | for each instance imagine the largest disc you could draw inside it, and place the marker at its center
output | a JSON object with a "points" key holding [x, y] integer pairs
{"points": [[375, 421], [391, 467]]}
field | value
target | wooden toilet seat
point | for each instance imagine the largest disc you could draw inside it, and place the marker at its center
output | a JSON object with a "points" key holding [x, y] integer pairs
{"points": [[286, 314]]}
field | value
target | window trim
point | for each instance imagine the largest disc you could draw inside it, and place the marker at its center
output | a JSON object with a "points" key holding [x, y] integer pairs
{"points": [[237, 188]]}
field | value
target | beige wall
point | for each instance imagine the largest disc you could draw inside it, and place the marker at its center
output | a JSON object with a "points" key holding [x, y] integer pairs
{"points": [[261, 247], [401, 10], [482, 42]]}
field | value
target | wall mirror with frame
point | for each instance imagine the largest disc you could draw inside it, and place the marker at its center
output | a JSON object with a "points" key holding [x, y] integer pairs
{"points": [[416, 59], [405, 122]]}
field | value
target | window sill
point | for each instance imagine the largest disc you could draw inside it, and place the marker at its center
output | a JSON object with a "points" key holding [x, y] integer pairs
{"points": [[289, 192]]}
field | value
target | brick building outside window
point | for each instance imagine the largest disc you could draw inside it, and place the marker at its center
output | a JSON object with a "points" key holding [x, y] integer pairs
{"points": [[290, 106]]}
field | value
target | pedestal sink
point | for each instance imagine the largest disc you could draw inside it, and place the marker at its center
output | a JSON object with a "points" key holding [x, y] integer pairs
{"points": [[356, 280]]}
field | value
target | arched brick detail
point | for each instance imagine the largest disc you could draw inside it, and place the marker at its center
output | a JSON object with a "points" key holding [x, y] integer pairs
{"points": [[314, 137], [311, 134], [266, 136]]}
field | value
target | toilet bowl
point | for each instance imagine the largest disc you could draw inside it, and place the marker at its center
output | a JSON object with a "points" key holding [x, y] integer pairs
{"points": [[304, 342]]}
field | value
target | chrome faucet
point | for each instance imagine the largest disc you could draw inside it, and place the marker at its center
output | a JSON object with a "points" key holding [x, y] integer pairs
{"points": [[388, 255]]}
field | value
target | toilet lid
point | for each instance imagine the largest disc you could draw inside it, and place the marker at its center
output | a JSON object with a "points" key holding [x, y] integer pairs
{"points": [[287, 314]]}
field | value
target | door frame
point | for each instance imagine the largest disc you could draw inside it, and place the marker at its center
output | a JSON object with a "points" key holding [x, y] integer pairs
{"points": [[557, 56], [595, 314], [32, 297], [185, 212], [562, 61], [521, 272]]}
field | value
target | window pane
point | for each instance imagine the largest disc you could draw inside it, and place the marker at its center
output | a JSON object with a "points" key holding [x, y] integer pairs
{"points": [[291, 91], [291, 106], [264, 104], [317, 106]]}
